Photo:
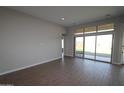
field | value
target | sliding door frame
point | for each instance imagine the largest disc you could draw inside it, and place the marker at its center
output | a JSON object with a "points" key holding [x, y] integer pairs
{"points": [[94, 47], [94, 34], [111, 48]]}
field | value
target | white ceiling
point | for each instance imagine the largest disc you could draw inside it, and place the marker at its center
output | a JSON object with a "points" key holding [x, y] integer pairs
{"points": [[72, 14]]}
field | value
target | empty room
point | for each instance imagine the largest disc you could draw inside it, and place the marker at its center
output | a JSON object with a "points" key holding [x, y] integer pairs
{"points": [[62, 45]]}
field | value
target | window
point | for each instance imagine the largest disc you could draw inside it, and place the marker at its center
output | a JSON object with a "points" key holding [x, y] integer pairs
{"points": [[90, 30], [78, 31], [106, 27], [93, 29]]}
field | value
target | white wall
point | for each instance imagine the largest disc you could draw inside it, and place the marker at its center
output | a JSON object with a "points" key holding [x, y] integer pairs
{"points": [[116, 56], [26, 40]]}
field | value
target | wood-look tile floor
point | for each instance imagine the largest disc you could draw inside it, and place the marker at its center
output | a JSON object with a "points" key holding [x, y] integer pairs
{"points": [[71, 71]]}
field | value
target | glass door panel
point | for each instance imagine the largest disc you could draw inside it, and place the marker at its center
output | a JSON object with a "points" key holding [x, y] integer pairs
{"points": [[79, 46], [89, 51], [104, 47]]}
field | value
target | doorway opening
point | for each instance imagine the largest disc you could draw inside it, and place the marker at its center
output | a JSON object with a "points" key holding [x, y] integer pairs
{"points": [[62, 43]]}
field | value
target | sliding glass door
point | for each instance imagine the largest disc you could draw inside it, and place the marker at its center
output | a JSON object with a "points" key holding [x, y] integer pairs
{"points": [[104, 47], [94, 42], [96, 47], [79, 46], [89, 49]]}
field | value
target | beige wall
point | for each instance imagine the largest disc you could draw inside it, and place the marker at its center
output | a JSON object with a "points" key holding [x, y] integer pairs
{"points": [[26, 40]]}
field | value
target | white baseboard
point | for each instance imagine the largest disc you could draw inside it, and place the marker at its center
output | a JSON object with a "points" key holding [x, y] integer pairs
{"points": [[21, 68]]}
